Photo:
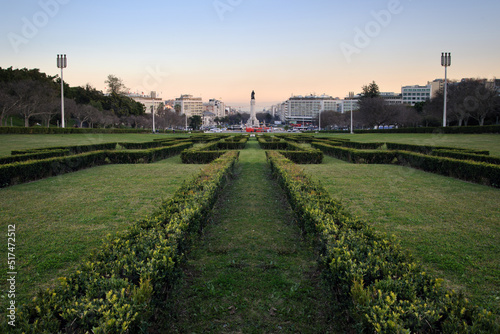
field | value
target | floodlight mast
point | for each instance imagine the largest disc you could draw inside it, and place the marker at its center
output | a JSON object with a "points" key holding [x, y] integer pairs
{"points": [[62, 62], [445, 61]]}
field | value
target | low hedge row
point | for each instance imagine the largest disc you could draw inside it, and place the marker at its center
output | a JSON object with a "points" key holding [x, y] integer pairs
{"points": [[140, 146], [374, 283], [122, 286], [304, 157], [44, 130], [362, 146], [463, 155], [448, 130], [20, 172], [356, 156], [472, 171], [212, 150], [77, 149], [428, 149], [34, 156], [146, 156], [271, 143]]}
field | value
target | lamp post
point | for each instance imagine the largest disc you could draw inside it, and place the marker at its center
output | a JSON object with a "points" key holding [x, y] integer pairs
{"points": [[153, 112], [445, 61], [62, 63]]}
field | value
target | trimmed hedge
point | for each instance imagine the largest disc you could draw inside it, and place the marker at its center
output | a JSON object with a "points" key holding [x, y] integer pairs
{"points": [[373, 282], [362, 146], [123, 285], [140, 146], [304, 157], [34, 156], [472, 171], [357, 156], [270, 143], [20, 172], [428, 149], [73, 149], [463, 155], [212, 150], [43, 130]]}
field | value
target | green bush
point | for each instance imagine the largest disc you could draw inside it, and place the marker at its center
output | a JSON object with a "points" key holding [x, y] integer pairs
{"points": [[140, 146], [34, 156], [427, 149], [73, 149], [357, 156], [478, 172], [304, 157], [373, 282], [44, 130], [464, 155], [124, 284]]}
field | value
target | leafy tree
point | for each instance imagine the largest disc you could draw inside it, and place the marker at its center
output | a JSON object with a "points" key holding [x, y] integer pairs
{"points": [[115, 85], [371, 90], [195, 122]]}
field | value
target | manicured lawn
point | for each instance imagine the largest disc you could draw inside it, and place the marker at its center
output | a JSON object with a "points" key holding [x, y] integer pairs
{"points": [[452, 226], [19, 142], [59, 220], [489, 142]]}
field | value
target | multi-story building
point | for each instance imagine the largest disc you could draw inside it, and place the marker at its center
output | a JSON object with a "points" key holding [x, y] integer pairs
{"points": [[147, 100], [303, 109], [392, 98], [415, 94], [216, 107], [189, 105]]}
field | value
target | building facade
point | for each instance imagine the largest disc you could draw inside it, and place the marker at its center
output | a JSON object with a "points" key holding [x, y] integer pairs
{"points": [[216, 107], [415, 94], [301, 109], [189, 105], [147, 100]]}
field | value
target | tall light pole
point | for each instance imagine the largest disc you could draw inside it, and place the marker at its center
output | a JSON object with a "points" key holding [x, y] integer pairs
{"points": [[445, 61], [153, 112], [62, 63]]}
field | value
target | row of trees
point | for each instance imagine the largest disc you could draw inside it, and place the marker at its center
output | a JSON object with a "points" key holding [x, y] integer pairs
{"points": [[469, 101], [36, 98]]}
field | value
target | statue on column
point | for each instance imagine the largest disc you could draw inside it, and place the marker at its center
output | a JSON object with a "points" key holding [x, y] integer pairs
{"points": [[253, 95]]}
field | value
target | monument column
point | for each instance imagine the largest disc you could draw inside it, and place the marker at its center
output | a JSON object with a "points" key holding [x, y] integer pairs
{"points": [[252, 121]]}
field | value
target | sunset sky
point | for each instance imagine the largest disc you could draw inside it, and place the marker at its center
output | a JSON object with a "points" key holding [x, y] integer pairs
{"points": [[224, 49]]}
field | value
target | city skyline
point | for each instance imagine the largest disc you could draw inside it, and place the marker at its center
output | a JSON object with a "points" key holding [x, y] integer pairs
{"points": [[224, 49]]}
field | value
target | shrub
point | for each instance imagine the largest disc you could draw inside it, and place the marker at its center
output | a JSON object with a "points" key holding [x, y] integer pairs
{"points": [[34, 156], [73, 149]]}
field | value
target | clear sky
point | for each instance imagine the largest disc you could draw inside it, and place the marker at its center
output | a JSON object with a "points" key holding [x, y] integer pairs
{"points": [[227, 48]]}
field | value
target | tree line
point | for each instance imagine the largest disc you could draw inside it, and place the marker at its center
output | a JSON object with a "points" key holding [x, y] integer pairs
{"points": [[35, 97], [469, 102]]}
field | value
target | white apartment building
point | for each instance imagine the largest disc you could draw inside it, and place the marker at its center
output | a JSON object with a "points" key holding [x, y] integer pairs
{"points": [[189, 105], [415, 94], [147, 100], [307, 108], [216, 107]]}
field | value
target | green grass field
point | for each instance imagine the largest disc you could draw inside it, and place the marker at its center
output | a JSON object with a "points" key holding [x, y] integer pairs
{"points": [[451, 226], [59, 220]]}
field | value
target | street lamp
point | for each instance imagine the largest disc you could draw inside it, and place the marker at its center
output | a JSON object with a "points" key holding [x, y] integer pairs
{"points": [[445, 61], [153, 112], [62, 63]]}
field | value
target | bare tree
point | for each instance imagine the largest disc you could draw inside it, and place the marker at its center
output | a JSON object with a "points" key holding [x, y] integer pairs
{"points": [[84, 113], [375, 112], [34, 99], [8, 100]]}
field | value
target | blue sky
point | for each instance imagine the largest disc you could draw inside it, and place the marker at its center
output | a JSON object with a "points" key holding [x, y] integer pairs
{"points": [[227, 48]]}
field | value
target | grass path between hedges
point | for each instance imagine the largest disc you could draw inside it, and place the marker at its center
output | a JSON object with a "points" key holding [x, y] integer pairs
{"points": [[251, 272]]}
